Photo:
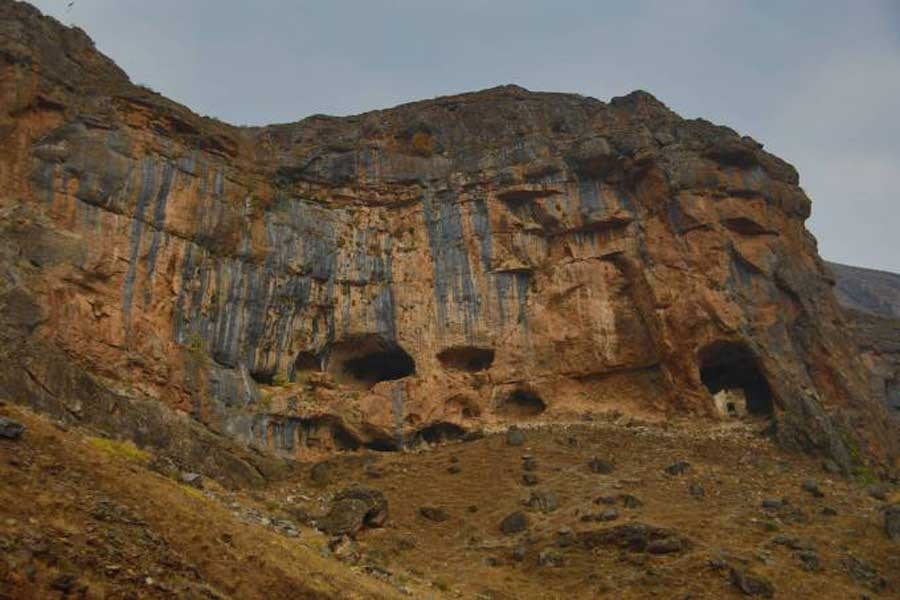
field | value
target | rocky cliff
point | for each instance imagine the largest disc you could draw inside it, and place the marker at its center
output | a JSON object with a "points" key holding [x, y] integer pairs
{"points": [[406, 274]]}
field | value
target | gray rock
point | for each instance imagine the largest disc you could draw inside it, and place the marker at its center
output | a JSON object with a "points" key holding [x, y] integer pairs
{"points": [[519, 552], [879, 491], [610, 514], [829, 466], [515, 436], [751, 585], [192, 479], [811, 486], [696, 490], [454, 469], [515, 522], [678, 467], [892, 521], [529, 464], [529, 479], [667, 545], [543, 501], [354, 509], [550, 557], [600, 465], [434, 513], [11, 430], [629, 501], [772, 503]]}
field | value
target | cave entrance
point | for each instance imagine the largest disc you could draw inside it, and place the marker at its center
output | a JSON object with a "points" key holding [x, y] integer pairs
{"points": [[439, 433], [522, 403], [731, 373], [366, 360], [466, 358]]}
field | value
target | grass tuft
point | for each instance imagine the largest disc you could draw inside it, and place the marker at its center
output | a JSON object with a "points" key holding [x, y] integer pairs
{"points": [[122, 448]]}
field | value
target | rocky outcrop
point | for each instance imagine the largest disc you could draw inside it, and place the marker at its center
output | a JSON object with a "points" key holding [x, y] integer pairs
{"points": [[335, 283], [867, 290]]}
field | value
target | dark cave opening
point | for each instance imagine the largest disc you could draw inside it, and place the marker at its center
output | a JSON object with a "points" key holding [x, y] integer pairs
{"points": [[367, 360], [306, 361], [522, 403], [438, 433], [466, 358], [733, 366]]}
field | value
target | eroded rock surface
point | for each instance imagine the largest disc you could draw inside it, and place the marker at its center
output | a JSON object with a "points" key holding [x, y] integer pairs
{"points": [[407, 274]]}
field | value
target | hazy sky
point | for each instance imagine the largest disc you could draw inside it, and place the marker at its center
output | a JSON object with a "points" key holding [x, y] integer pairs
{"points": [[817, 82]]}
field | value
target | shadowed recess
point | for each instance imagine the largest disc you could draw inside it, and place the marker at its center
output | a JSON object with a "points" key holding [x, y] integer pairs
{"points": [[522, 403], [438, 433], [732, 365], [466, 358], [366, 360]]}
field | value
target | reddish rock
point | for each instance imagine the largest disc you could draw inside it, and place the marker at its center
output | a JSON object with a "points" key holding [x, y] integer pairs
{"points": [[479, 259]]}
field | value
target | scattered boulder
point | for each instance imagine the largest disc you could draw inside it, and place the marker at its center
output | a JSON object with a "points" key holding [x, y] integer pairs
{"points": [[434, 513], [543, 501], [829, 511], [772, 503], [64, 582], [515, 522], [515, 436], [810, 560], [550, 557], [629, 501], [879, 491], [667, 545], [751, 585], [811, 486], [634, 537], [864, 572], [679, 467], [605, 500], [192, 479], [454, 469], [565, 537], [696, 490], [529, 479], [829, 466], [519, 552], [10, 430], [353, 509], [892, 521], [601, 466], [610, 514], [529, 463]]}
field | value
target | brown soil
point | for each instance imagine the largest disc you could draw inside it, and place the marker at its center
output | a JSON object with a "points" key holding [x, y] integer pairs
{"points": [[72, 505]]}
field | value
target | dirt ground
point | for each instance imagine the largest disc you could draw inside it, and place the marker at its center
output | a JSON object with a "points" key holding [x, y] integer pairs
{"points": [[86, 517]]}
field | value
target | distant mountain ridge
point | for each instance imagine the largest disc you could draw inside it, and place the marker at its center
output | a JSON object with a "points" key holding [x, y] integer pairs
{"points": [[868, 290]]}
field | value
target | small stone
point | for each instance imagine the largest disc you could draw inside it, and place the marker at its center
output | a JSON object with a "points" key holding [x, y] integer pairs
{"points": [[605, 500], [529, 479], [515, 522], [751, 585], [550, 557], [543, 501], [192, 479], [811, 486], [490, 561], [519, 553], [696, 490], [529, 464], [11, 430], [454, 459], [434, 513], [472, 508], [565, 537], [454, 469], [772, 503], [64, 582], [610, 514], [514, 436], [829, 511], [665, 546], [629, 501], [810, 560], [829, 466], [892, 521], [879, 491], [601, 466], [678, 468]]}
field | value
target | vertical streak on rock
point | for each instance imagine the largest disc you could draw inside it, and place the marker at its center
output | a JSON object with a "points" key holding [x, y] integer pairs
{"points": [[452, 275], [398, 411], [148, 185], [159, 221]]}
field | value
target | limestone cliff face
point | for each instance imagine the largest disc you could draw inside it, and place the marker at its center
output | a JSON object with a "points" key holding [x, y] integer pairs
{"points": [[409, 273]]}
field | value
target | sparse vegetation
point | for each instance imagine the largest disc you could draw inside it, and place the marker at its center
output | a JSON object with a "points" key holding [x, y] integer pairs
{"points": [[121, 448]]}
